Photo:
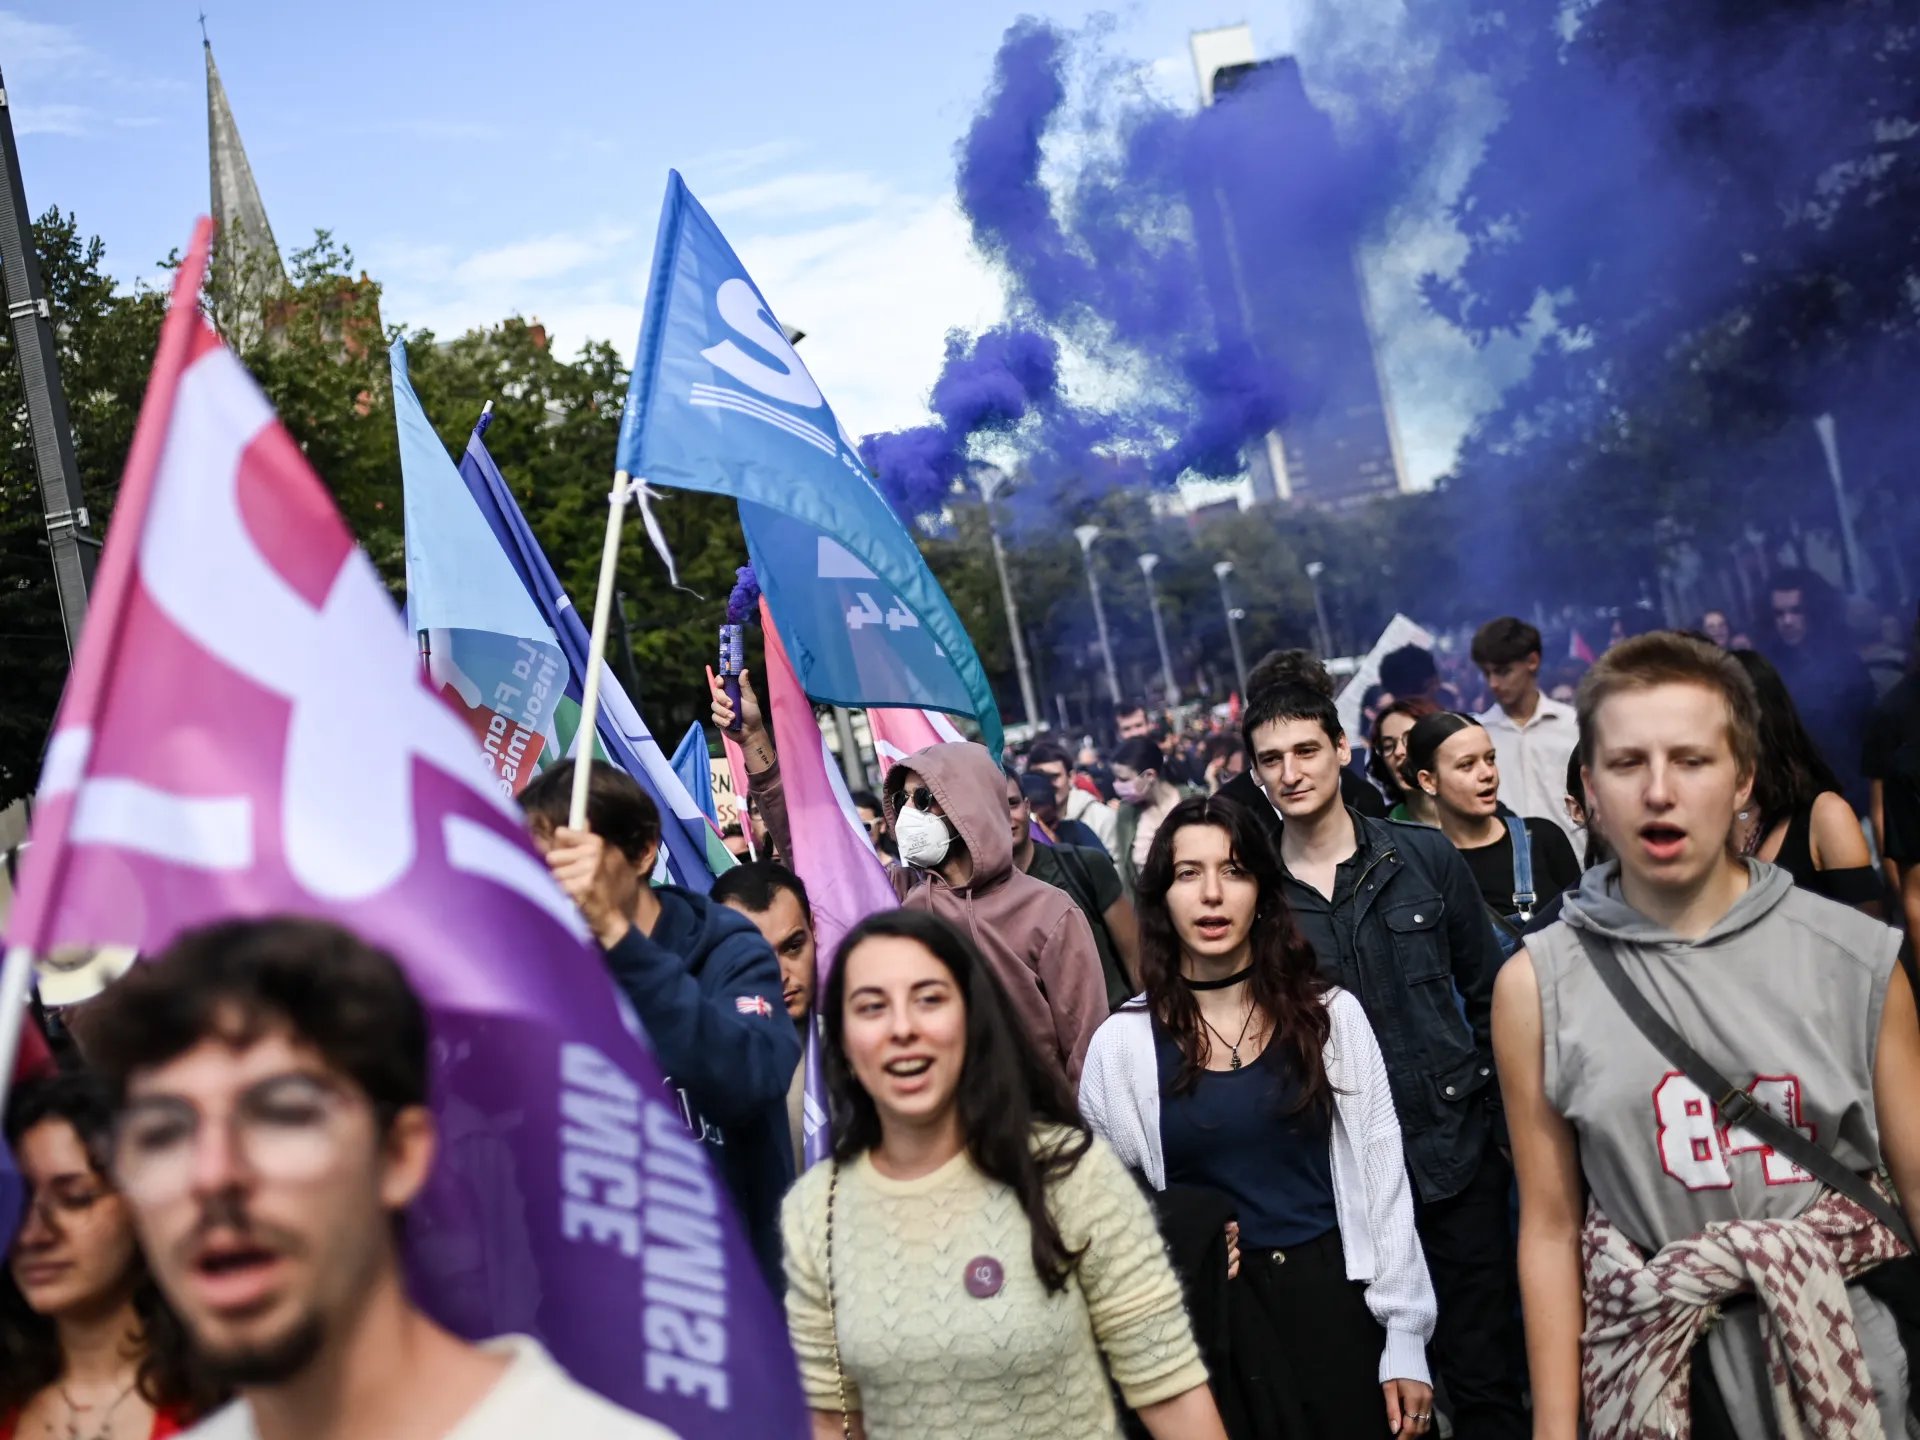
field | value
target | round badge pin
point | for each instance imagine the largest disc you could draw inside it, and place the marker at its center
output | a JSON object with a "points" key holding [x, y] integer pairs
{"points": [[984, 1277]]}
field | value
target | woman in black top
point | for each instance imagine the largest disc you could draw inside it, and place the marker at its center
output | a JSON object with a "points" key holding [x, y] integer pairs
{"points": [[1451, 758], [1797, 818]]}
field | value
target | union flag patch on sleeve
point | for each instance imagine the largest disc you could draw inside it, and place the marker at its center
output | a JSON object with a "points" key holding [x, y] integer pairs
{"points": [[752, 1005]]}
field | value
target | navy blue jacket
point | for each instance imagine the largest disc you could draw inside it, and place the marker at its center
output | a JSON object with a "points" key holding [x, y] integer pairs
{"points": [[706, 986]]}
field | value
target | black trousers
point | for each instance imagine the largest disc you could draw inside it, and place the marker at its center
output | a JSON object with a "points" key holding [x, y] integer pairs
{"points": [[1323, 1374], [1479, 1349]]}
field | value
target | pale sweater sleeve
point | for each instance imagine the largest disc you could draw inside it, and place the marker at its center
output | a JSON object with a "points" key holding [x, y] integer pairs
{"points": [[1400, 1295], [1133, 1298], [803, 1227]]}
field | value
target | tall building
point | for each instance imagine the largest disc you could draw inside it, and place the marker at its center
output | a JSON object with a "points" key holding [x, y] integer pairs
{"points": [[247, 267], [1277, 232]]}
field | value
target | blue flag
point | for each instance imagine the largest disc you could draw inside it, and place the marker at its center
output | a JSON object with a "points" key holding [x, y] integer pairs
{"points": [[693, 763], [720, 402], [502, 643]]}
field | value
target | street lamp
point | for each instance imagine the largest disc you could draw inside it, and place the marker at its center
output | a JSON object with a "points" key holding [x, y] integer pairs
{"points": [[991, 480], [1221, 570], [1315, 569], [1086, 535], [1147, 564]]}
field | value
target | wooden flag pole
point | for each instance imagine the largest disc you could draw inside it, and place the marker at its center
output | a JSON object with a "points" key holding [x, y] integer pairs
{"points": [[596, 652]]}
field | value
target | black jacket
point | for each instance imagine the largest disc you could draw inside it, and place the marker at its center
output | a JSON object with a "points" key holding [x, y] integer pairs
{"points": [[1407, 933]]}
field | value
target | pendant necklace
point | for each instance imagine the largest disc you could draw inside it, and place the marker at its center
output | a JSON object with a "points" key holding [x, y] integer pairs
{"points": [[1233, 1050], [75, 1408]]}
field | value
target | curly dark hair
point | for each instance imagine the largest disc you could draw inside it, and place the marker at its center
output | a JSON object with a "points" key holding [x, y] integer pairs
{"points": [[1286, 984], [1005, 1089], [168, 1376]]}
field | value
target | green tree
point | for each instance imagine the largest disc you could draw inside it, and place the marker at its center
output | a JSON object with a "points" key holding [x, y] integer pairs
{"points": [[106, 342]]}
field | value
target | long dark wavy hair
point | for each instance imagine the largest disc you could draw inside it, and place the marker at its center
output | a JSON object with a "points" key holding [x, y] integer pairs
{"points": [[1005, 1090], [167, 1377], [1286, 985], [1791, 772]]}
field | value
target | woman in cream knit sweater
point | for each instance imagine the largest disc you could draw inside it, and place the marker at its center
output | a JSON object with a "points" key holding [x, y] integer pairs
{"points": [[971, 1262]]}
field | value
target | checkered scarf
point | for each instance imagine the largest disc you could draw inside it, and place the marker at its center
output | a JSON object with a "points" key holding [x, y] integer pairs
{"points": [[1644, 1316]]}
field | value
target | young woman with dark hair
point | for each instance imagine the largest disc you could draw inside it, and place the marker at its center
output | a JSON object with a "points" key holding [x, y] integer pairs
{"points": [[1387, 749], [1798, 818], [88, 1349], [1451, 758], [1242, 1071], [1146, 794], [971, 1261]]}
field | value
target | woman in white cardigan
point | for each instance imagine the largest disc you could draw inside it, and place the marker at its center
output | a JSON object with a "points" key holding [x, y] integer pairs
{"points": [[1240, 1070]]}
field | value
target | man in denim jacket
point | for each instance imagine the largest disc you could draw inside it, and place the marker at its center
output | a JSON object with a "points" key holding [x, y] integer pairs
{"points": [[1395, 917]]}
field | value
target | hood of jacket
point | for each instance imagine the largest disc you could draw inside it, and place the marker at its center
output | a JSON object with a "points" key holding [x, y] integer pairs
{"points": [[972, 790], [1599, 908]]}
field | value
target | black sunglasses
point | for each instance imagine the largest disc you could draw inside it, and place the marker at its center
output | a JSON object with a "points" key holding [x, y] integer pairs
{"points": [[920, 797]]}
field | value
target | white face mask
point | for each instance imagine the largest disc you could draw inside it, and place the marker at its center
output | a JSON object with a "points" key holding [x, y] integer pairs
{"points": [[923, 837]]}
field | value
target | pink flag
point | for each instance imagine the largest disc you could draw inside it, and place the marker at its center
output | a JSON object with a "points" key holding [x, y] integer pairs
{"points": [[900, 733], [831, 853], [246, 733]]}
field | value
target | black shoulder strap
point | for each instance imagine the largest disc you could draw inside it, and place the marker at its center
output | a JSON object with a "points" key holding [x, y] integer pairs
{"points": [[1735, 1105]]}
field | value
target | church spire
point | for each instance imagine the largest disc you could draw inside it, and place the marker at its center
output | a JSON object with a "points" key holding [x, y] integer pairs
{"points": [[244, 248]]}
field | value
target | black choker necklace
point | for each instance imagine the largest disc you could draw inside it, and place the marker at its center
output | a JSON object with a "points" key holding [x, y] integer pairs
{"points": [[1220, 984]]}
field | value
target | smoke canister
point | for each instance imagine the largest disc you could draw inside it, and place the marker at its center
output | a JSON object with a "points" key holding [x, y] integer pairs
{"points": [[733, 659]]}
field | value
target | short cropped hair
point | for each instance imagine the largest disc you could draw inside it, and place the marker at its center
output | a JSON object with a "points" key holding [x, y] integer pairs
{"points": [[1290, 669], [1666, 657], [1408, 671], [1049, 752], [618, 810], [755, 885], [1129, 707], [1140, 753], [1506, 641], [238, 979], [1289, 702]]}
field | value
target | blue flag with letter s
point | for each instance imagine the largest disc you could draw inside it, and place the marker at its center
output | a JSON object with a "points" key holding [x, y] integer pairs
{"points": [[720, 402]]}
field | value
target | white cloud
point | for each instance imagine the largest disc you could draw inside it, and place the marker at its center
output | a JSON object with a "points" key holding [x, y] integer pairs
{"points": [[806, 193], [54, 119], [726, 165], [37, 45]]}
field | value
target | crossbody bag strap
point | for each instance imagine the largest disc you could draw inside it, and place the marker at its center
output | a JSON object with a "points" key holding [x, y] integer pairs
{"points": [[1735, 1105]]}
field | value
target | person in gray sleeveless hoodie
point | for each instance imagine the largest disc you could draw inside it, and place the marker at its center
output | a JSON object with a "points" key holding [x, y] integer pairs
{"points": [[1793, 997]]}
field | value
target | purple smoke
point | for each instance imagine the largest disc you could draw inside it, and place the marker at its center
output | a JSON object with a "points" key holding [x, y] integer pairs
{"points": [[743, 605]]}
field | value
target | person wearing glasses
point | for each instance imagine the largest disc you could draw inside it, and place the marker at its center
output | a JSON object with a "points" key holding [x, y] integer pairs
{"points": [[270, 1084], [947, 808], [88, 1348]]}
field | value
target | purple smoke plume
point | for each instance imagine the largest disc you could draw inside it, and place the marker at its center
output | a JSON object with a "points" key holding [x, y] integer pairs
{"points": [[743, 605]]}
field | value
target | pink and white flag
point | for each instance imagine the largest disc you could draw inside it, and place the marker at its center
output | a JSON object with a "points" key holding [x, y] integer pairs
{"points": [[898, 733], [246, 733]]}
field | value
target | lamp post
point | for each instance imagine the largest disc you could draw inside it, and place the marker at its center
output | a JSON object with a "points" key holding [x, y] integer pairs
{"points": [[1086, 535], [1148, 563], [1823, 426], [1315, 569], [1221, 570], [991, 480]]}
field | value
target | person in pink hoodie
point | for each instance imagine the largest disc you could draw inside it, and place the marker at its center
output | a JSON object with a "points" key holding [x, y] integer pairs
{"points": [[947, 808]]}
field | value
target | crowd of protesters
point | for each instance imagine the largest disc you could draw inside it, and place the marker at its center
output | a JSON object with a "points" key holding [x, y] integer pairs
{"points": [[1228, 1075]]}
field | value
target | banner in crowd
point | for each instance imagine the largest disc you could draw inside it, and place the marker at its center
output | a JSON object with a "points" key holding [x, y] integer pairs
{"points": [[693, 850], [900, 733], [844, 878], [246, 732], [719, 401], [1400, 631], [693, 763]]}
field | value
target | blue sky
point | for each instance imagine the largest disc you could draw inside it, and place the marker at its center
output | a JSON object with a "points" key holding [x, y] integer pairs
{"points": [[487, 158]]}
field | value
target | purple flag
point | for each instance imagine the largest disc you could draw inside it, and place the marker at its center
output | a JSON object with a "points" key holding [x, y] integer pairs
{"points": [[246, 733]]}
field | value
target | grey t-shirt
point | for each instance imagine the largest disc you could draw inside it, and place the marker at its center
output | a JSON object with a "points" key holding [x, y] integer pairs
{"points": [[1783, 996]]}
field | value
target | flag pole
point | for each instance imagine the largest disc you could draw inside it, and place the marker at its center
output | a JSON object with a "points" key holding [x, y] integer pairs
{"points": [[16, 976], [596, 653]]}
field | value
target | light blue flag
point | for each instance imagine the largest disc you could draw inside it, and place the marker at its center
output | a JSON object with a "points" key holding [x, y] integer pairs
{"points": [[693, 763], [720, 402], [493, 652]]}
